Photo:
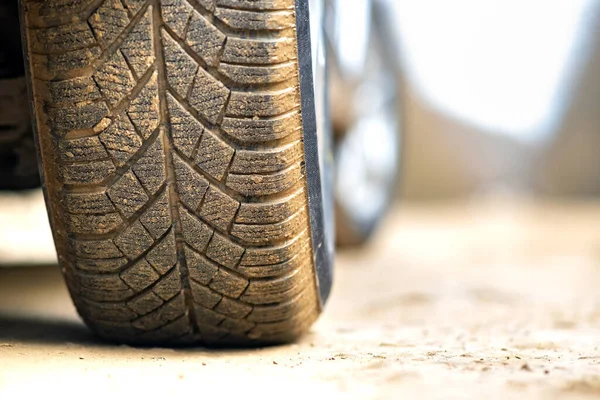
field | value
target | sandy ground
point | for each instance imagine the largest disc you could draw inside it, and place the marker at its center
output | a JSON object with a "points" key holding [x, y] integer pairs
{"points": [[490, 300]]}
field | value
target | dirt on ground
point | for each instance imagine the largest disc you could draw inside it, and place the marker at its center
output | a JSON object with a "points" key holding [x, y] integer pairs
{"points": [[494, 300]]}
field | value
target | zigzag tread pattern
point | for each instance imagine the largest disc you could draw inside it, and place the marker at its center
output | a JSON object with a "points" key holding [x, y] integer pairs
{"points": [[171, 143]]}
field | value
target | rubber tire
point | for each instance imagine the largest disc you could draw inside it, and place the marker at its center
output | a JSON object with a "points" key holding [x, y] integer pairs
{"points": [[18, 164], [171, 144]]}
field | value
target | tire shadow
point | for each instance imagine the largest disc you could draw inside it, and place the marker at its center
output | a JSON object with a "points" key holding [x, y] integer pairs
{"points": [[35, 307], [32, 329]]}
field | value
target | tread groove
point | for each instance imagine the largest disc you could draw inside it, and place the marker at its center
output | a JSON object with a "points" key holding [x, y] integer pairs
{"points": [[171, 178]]}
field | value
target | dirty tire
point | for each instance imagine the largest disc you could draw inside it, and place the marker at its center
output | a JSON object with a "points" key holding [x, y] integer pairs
{"points": [[171, 143], [18, 163]]}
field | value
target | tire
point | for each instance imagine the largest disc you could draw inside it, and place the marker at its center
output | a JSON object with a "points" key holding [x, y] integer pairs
{"points": [[18, 164], [172, 144]]}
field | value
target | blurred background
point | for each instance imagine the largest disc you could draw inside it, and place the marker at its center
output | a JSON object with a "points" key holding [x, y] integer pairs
{"points": [[501, 96]]}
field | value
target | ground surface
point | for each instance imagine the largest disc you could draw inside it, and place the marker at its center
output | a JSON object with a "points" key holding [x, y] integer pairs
{"points": [[494, 300]]}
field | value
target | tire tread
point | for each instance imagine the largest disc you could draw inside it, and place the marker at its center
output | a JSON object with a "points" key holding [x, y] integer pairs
{"points": [[170, 133]]}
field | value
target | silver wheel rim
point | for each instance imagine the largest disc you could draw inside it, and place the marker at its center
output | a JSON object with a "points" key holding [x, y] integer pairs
{"points": [[367, 155]]}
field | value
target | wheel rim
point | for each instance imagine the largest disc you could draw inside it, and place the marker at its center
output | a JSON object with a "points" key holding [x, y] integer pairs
{"points": [[367, 126]]}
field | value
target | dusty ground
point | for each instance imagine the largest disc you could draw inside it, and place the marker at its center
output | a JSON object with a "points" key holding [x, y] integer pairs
{"points": [[494, 300]]}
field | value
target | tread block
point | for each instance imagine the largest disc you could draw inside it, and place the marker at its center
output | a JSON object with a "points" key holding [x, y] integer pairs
{"points": [[208, 320], [105, 265], [191, 186], [287, 330], [82, 149], [157, 219], [265, 185], [93, 224], [64, 38], [181, 68], [176, 14], [269, 271], [246, 161], [204, 38], [61, 7], [145, 303], [195, 232], [256, 130], [262, 104], [237, 325], [275, 254], [275, 290], [223, 251], [103, 295], [204, 296], [101, 282], [150, 168], [140, 275], [90, 173], [74, 90], [208, 4], [218, 208], [144, 108], [114, 79], [278, 312], [271, 212], [133, 5], [228, 284], [253, 20], [256, 74], [77, 116], [169, 285], [176, 330], [168, 312], [233, 308], [127, 194], [88, 203], [266, 234], [108, 21], [209, 96], [185, 129], [258, 51], [134, 240], [120, 139], [63, 62], [300, 260], [138, 47], [163, 256], [214, 155], [200, 269], [95, 249]]}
